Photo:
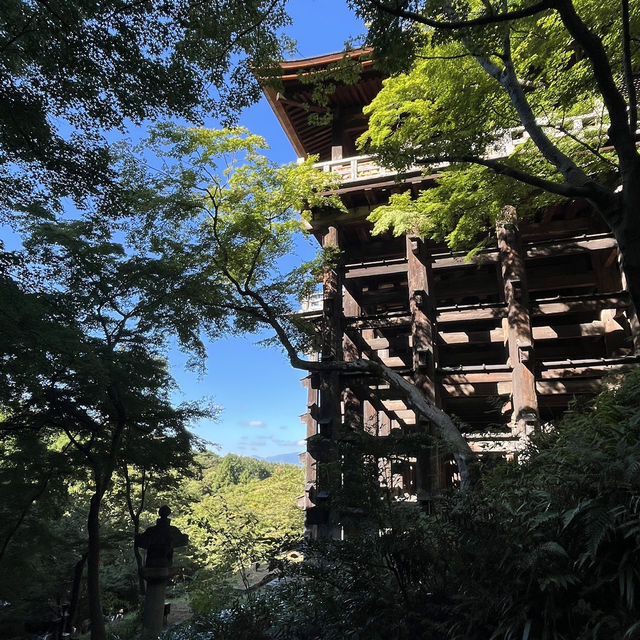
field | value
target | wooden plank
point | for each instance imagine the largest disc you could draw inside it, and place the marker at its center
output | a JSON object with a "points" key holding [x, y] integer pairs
{"points": [[368, 271], [467, 390], [492, 377], [493, 312], [460, 260], [405, 415], [597, 242], [394, 362], [580, 244], [381, 323], [595, 371], [578, 306], [394, 405], [398, 342], [472, 337], [583, 330], [548, 387]]}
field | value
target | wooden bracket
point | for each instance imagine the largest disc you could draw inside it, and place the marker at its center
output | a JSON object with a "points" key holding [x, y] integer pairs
{"points": [[525, 351]]}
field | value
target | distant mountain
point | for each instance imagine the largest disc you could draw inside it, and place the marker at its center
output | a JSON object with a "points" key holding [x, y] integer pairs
{"points": [[285, 458]]}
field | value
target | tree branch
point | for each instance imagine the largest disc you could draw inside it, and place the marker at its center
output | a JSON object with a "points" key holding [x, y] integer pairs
{"points": [[463, 24], [415, 399], [559, 188], [594, 49], [628, 71]]}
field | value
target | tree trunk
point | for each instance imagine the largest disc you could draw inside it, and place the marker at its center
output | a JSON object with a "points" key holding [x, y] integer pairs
{"points": [[96, 616], [142, 588], [78, 570]]}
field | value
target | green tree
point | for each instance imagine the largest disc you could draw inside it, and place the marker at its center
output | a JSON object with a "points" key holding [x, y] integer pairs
{"points": [[214, 205], [73, 70], [82, 350], [473, 70], [251, 520]]}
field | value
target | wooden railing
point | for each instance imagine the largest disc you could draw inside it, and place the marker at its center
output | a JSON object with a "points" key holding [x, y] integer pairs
{"points": [[365, 167], [355, 168]]}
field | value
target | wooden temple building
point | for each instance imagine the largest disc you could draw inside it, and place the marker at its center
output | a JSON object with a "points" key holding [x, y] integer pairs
{"points": [[503, 342]]}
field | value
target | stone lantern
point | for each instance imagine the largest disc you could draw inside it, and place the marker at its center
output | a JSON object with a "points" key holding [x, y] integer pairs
{"points": [[159, 541]]}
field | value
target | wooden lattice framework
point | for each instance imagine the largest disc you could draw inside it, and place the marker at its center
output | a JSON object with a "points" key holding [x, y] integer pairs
{"points": [[503, 342]]}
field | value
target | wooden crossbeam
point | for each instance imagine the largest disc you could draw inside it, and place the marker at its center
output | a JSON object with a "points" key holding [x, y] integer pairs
{"points": [[472, 337], [492, 312], [547, 387], [547, 332], [581, 244], [580, 305], [477, 389], [367, 271]]}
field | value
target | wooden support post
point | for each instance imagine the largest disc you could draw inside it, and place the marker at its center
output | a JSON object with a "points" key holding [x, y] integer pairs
{"points": [[352, 467], [328, 472], [423, 333], [351, 351], [517, 325], [309, 461], [424, 353]]}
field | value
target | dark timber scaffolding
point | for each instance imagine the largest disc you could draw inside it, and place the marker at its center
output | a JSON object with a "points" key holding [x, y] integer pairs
{"points": [[502, 342]]}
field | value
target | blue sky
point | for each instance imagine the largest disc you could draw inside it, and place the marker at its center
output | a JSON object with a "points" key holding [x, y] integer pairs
{"points": [[261, 395]]}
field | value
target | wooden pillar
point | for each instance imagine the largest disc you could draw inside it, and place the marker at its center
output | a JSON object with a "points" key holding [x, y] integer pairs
{"points": [[423, 333], [351, 352], [517, 325], [352, 462], [424, 354], [330, 410], [310, 383]]}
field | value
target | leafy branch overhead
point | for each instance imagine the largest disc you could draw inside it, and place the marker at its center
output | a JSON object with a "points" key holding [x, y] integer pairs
{"points": [[212, 203], [72, 71], [520, 100]]}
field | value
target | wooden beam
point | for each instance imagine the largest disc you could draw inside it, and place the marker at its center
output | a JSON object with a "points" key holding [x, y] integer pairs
{"points": [[394, 405], [580, 304], [395, 362], [367, 271], [589, 386], [472, 313], [471, 337], [397, 342], [381, 322], [493, 377], [517, 324], [597, 242], [582, 330], [579, 244], [476, 389]]}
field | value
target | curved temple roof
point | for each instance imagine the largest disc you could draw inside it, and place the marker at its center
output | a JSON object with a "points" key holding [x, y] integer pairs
{"points": [[293, 102]]}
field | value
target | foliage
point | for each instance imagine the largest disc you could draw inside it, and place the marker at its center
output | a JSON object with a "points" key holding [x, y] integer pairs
{"points": [[214, 206], [73, 70], [447, 106], [539, 94], [237, 522], [83, 367], [546, 548]]}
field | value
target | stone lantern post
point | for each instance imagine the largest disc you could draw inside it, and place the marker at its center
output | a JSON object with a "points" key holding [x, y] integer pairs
{"points": [[159, 542]]}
